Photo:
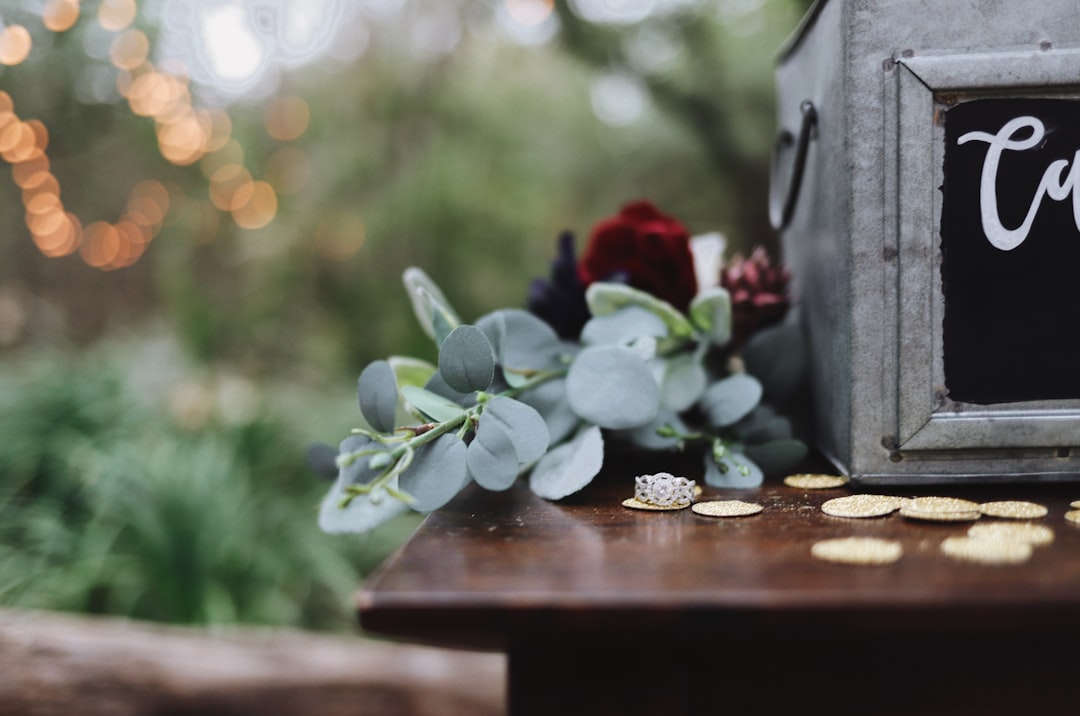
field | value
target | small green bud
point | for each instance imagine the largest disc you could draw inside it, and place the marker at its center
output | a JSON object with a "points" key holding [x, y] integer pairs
{"points": [[667, 430], [379, 461]]}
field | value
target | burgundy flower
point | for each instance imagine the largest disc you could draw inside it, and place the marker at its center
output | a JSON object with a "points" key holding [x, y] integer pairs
{"points": [[758, 293], [644, 248]]}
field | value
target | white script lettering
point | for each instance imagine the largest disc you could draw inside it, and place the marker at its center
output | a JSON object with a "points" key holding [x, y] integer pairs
{"points": [[1051, 184]]}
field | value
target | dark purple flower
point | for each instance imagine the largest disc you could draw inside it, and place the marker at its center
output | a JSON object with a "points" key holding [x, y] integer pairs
{"points": [[561, 300]]}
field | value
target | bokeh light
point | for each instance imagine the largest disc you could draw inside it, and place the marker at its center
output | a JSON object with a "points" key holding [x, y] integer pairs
{"points": [[286, 117], [15, 44], [115, 15], [60, 15]]}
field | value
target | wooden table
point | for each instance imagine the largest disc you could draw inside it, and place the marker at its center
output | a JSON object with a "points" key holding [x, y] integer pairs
{"points": [[607, 610]]}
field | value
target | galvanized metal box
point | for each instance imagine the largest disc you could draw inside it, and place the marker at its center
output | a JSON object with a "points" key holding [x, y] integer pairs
{"points": [[928, 196]]}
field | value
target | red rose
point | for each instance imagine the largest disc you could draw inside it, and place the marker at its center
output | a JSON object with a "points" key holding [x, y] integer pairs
{"points": [[647, 249]]}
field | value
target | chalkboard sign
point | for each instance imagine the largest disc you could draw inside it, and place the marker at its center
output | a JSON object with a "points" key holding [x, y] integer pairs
{"points": [[1010, 238]]}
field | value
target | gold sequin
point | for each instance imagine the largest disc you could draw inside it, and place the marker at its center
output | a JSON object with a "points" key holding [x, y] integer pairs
{"points": [[636, 504], [726, 508], [1035, 535], [986, 551], [1013, 509], [941, 509], [815, 482], [862, 505], [858, 550]]}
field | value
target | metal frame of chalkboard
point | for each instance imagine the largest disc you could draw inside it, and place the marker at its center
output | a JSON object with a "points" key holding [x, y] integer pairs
{"points": [[1038, 433]]}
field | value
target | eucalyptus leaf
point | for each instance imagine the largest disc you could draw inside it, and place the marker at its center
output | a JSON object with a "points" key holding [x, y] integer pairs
{"points": [[645, 436], [523, 424], [710, 312], [764, 424], [727, 401], [776, 355], [363, 514], [322, 460], [523, 343], [466, 361], [427, 300], [623, 326], [683, 382], [492, 458], [569, 467], [433, 406], [438, 386], [612, 387], [549, 399], [378, 393], [606, 298], [411, 371], [776, 456], [438, 472], [359, 471], [728, 472]]}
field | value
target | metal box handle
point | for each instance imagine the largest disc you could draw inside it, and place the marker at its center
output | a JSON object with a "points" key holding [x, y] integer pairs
{"points": [[782, 205]]}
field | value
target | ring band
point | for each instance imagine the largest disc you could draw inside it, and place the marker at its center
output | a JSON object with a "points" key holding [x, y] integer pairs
{"points": [[664, 490]]}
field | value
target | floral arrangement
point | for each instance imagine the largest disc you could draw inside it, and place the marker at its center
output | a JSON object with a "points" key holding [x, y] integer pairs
{"points": [[647, 342]]}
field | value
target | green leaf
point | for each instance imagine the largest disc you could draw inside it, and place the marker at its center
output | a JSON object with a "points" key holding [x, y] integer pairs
{"points": [[363, 514], [612, 387], [569, 467], [727, 401], [646, 437], [734, 470], [763, 424], [359, 471], [429, 304], [777, 357], [523, 343], [438, 472], [710, 312], [549, 399], [606, 298], [378, 394], [776, 456], [623, 326], [683, 382], [523, 424], [466, 361], [435, 407], [492, 458], [411, 371]]}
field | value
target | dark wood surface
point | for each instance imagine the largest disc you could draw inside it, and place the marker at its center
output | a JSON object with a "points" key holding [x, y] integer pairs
{"points": [[585, 590]]}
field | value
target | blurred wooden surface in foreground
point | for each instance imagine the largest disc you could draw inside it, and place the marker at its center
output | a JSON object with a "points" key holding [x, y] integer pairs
{"points": [[54, 663]]}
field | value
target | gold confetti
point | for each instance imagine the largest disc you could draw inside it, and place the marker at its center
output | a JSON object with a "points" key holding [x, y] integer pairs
{"points": [[1073, 516], [862, 505], [1013, 509], [986, 551], [857, 550], [941, 509], [815, 482], [636, 504], [726, 508], [1075, 504], [1035, 535]]}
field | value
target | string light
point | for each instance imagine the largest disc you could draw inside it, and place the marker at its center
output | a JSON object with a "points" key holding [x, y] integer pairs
{"points": [[186, 135]]}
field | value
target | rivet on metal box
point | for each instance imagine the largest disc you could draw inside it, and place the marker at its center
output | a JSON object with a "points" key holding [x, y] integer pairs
{"points": [[926, 184]]}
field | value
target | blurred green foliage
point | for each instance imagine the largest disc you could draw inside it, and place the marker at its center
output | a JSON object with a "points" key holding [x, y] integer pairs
{"points": [[157, 497], [113, 497]]}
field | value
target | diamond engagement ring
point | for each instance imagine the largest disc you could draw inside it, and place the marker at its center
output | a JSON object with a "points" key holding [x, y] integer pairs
{"points": [[664, 490]]}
